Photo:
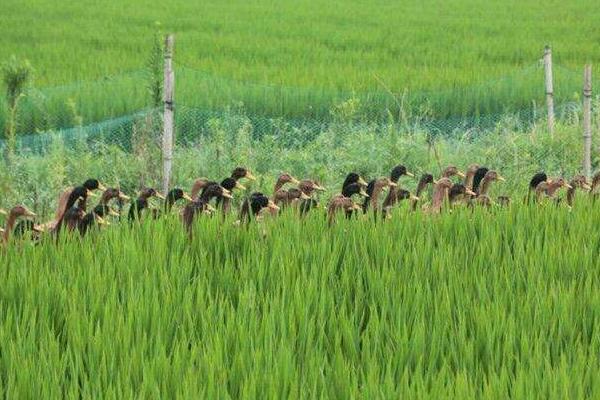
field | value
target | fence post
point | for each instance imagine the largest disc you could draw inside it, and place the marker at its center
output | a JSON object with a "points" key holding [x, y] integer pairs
{"points": [[168, 117], [549, 87], [587, 121]]}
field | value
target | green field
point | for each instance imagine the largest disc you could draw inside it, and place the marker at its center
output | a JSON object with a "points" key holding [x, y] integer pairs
{"points": [[293, 58], [485, 305]]}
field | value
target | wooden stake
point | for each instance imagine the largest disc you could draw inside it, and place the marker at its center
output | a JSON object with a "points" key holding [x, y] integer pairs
{"points": [[587, 121], [549, 87], [168, 116]]}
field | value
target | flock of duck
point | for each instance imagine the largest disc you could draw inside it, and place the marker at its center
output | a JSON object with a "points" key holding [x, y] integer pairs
{"points": [[207, 197]]}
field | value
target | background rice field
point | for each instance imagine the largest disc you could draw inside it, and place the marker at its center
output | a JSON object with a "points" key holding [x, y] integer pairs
{"points": [[300, 58], [456, 306]]}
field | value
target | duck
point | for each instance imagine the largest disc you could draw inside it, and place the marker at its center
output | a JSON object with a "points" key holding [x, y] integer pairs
{"points": [[242, 172], [279, 193], [478, 177], [451, 171], [198, 185], [458, 192], [374, 189], [173, 196], [441, 192], [533, 184], [309, 187], [341, 203], [578, 182], [549, 188], [253, 206], [353, 177], [13, 216], [201, 205], [425, 180], [401, 194], [395, 174], [92, 219], [229, 184], [141, 203]]}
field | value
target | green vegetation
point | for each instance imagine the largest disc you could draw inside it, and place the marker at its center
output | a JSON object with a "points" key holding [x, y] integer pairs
{"points": [[484, 305], [298, 59]]}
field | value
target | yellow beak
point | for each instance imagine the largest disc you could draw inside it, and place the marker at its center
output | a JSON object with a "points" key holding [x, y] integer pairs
{"points": [[363, 193], [501, 179], [294, 181], [393, 184], [3, 211], [361, 181], [586, 186], [101, 221], [187, 197], [227, 194], [114, 213], [91, 194], [410, 174], [160, 195], [240, 186], [273, 206], [568, 186], [101, 187], [210, 208], [320, 188], [415, 198], [470, 192], [29, 213], [460, 174], [250, 176], [304, 196], [122, 196]]}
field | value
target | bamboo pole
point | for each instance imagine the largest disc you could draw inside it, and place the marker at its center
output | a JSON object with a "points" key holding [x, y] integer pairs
{"points": [[168, 116], [549, 87], [587, 121]]}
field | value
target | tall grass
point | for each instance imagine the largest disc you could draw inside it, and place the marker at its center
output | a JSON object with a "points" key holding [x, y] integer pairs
{"points": [[463, 305]]}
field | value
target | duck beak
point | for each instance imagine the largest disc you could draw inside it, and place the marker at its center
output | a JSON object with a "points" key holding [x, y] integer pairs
{"points": [[160, 195], [3, 212], [39, 228], [114, 213], [501, 179], [361, 181], [124, 197], [410, 174], [363, 193], [568, 186], [435, 181], [356, 207], [187, 197], [91, 194], [250, 176], [101, 187], [210, 208], [101, 221], [393, 184], [586, 186], [460, 174], [294, 181], [240, 186], [470, 192], [227, 194], [304, 196], [414, 198], [319, 188], [29, 213], [273, 206]]}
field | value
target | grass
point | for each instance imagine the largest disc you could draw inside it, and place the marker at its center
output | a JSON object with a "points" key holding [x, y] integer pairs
{"points": [[292, 59], [462, 305]]}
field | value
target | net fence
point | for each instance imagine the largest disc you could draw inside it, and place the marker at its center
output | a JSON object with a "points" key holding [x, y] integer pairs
{"points": [[65, 135]]}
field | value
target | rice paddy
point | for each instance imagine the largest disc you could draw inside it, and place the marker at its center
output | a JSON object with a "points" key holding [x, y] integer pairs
{"points": [[462, 305], [299, 59]]}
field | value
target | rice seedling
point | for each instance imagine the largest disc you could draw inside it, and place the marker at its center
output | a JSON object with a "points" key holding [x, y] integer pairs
{"points": [[470, 304]]}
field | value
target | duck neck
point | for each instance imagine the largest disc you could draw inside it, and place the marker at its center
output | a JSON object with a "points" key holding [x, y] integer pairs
{"points": [[469, 180], [278, 185], [571, 194], [552, 189], [10, 224], [420, 187], [374, 197], [439, 194], [484, 188]]}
